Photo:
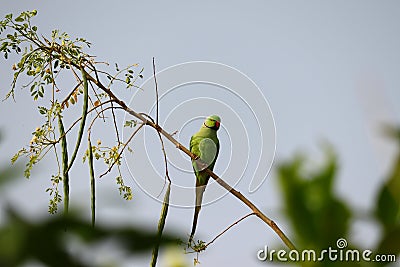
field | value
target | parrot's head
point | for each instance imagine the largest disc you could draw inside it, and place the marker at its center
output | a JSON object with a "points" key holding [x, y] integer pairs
{"points": [[213, 122]]}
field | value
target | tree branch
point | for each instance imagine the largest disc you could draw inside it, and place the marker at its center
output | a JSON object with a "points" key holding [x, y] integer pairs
{"points": [[229, 227], [71, 59], [256, 211], [179, 146], [122, 150]]}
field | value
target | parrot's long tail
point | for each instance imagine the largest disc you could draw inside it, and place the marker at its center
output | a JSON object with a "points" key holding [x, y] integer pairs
{"points": [[199, 199]]}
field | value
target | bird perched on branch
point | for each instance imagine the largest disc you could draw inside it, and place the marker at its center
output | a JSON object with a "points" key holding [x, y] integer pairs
{"points": [[205, 145]]}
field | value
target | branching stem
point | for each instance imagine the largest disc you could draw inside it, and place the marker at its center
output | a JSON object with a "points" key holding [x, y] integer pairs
{"points": [[77, 62], [178, 145]]}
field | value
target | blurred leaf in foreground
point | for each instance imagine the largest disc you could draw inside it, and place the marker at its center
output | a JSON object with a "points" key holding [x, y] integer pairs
{"points": [[387, 210], [45, 241], [318, 216]]}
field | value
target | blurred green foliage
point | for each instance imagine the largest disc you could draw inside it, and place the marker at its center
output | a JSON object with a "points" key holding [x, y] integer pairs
{"points": [[46, 241], [319, 217], [387, 210]]}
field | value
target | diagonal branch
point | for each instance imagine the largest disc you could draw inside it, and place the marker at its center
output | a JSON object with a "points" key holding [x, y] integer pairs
{"points": [[253, 207], [179, 146]]}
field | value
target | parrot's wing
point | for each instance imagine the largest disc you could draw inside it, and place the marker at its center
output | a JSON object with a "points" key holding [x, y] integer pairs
{"points": [[208, 153], [194, 148]]}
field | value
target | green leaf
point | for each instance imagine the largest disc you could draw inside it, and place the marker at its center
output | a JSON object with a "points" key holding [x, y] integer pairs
{"points": [[311, 202], [42, 110], [19, 19], [130, 123], [41, 91], [18, 154], [3, 46], [388, 208]]}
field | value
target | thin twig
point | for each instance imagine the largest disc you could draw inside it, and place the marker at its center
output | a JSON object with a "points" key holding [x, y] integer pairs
{"points": [[156, 85], [99, 114], [122, 150], [115, 76], [253, 207], [66, 99], [51, 142], [174, 133], [163, 150], [98, 99], [229, 227], [115, 123], [98, 79], [165, 161]]}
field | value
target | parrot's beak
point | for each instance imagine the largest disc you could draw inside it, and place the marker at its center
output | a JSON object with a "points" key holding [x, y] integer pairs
{"points": [[217, 124]]}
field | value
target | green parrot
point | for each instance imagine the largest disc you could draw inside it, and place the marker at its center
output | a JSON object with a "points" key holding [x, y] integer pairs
{"points": [[205, 145]]}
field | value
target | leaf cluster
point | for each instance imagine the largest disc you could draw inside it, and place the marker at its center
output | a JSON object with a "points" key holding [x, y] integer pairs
{"points": [[43, 60]]}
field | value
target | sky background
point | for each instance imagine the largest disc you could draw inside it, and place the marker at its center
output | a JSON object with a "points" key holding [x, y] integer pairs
{"points": [[328, 69]]}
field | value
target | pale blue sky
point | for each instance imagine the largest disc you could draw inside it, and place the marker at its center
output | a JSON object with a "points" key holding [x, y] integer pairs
{"points": [[329, 70]]}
